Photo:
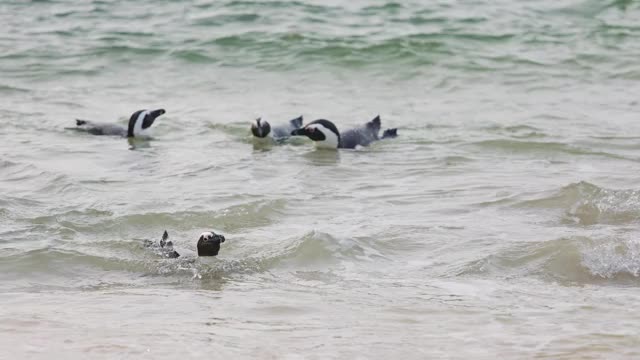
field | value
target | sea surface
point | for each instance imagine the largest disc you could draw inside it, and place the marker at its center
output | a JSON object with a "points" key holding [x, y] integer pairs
{"points": [[503, 222]]}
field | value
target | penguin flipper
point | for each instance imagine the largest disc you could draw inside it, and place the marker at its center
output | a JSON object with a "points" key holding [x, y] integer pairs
{"points": [[165, 236]]}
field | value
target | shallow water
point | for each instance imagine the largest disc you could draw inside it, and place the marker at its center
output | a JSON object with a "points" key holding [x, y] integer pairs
{"points": [[503, 220]]}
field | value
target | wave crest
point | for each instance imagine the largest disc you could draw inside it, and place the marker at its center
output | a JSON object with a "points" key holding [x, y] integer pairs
{"points": [[577, 260], [588, 204]]}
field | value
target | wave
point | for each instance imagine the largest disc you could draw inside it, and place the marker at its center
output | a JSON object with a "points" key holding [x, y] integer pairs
{"points": [[418, 48], [81, 264], [524, 146], [576, 260], [290, 34], [195, 57], [27, 180], [117, 50], [7, 89], [588, 204], [244, 216], [87, 239], [248, 4], [226, 19], [517, 131]]}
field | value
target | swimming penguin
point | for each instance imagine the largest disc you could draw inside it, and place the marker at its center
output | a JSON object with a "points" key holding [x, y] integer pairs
{"points": [[326, 134], [208, 245], [139, 122], [261, 128]]}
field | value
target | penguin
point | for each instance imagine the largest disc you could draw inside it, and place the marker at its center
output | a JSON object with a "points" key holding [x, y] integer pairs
{"points": [[208, 245], [139, 123], [261, 128], [326, 134]]}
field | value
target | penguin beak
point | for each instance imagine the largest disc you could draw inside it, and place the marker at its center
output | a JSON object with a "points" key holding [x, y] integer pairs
{"points": [[151, 117], [299, 132], [155, 113]]}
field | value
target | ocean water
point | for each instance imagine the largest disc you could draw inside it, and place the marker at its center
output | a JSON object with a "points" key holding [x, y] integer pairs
{"points": [[502, 222]]}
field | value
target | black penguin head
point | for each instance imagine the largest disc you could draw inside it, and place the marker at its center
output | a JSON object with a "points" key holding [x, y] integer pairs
{"points": [[141, 120], [323, 132], [209, 243], [260, 128]]}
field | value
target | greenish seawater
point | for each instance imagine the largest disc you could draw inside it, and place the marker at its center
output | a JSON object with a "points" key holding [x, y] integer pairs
{"points": [[502, 222]]}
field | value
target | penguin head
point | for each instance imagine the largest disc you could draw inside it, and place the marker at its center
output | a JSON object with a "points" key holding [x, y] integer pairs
{"points": [[209, 243], [142, 120], [260, 128], [323, 132]]}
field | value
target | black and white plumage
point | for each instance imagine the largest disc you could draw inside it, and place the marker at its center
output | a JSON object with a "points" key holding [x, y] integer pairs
{"points": [[261, 128], [139, 124], [208, 245], [326, 134]]}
